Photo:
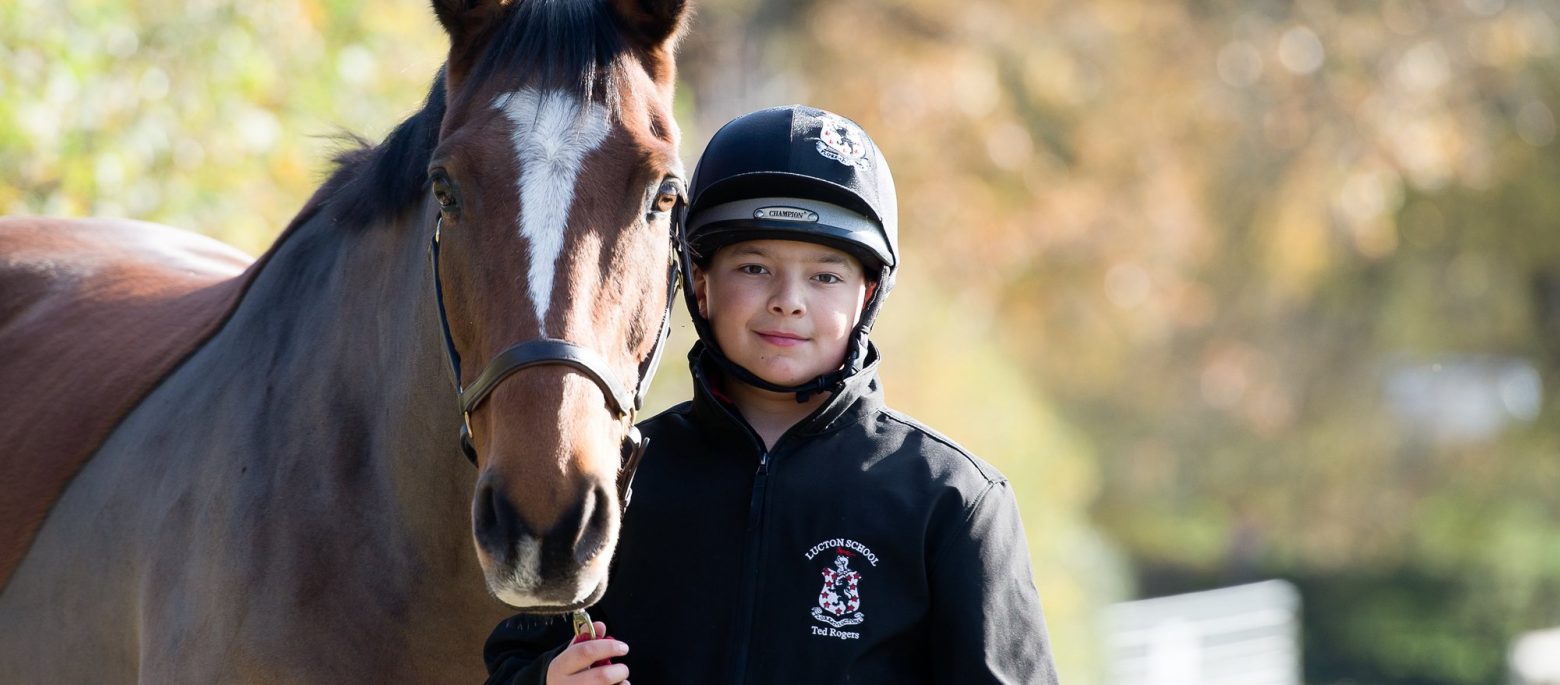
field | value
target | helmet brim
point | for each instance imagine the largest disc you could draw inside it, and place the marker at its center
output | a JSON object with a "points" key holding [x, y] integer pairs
{"points": [[784, 184], [856, 243]]}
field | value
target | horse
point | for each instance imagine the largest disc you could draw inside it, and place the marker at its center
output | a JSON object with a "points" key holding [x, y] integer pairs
{"points": [[275, 490]]}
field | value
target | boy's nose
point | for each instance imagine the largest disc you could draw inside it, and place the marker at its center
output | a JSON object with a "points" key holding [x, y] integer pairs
{"points": [[787, 299]]}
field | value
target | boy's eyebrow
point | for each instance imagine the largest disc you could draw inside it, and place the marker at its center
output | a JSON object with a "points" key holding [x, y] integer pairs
{"points": [[749, 250], [822, 257]]}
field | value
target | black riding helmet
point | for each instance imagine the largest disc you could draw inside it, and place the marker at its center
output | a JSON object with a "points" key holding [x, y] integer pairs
{"points": [[794, 173]]}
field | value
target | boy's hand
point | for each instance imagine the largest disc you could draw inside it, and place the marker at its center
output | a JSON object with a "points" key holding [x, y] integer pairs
{"points": [[577, 664]]}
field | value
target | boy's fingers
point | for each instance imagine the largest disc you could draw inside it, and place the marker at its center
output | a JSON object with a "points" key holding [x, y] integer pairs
{"points": [[604, 649], [606, 675], [580, 656], [571, 661]]}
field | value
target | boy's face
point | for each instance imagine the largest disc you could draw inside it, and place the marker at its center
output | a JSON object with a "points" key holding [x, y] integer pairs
{"points": [[783, 309]]}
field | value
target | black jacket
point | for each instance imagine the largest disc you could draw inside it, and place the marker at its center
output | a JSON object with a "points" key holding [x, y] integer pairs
{"points": [[863, 548]]}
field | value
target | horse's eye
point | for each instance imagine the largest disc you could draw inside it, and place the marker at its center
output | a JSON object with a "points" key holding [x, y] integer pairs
{"points": [[667, 196], [443, 193]]}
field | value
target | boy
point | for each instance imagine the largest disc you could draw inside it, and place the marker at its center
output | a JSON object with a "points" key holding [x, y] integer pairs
{"points": [[787, 527]]}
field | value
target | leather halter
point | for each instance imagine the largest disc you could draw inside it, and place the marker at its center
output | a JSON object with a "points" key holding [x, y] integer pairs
{"points": [[553, 351]]}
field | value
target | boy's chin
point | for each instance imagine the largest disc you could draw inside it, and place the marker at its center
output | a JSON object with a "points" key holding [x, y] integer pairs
{"points": [[781, 370], [784, 377]]}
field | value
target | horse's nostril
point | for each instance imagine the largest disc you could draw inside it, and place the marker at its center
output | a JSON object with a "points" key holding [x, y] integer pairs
{"points": [[495, 522], [595, 523], [485, 516]]}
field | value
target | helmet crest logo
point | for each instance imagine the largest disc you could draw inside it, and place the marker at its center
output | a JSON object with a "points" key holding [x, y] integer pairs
{"points": [[841, 141]]}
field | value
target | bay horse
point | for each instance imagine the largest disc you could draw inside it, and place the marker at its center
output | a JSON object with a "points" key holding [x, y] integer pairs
{"points": [[275, 490]]}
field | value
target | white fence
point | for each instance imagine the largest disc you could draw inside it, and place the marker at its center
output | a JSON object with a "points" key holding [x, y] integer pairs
{"points": [[1535, 658], [1242, 635]]}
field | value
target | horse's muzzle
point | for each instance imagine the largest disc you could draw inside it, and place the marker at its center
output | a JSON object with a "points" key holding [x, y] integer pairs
{"points": [[560, 566]]}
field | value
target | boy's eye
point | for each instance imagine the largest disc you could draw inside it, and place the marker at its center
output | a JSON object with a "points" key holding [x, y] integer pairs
{"points": [[751, 269], [830, 278]]}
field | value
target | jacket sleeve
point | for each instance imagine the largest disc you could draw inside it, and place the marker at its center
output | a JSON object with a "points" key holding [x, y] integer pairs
{"points": [[521, 647], [986, 623]]}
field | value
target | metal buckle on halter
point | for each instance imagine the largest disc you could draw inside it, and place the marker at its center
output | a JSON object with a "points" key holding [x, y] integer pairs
{"points": [[634, 444], [582, 623], [465, 438]]}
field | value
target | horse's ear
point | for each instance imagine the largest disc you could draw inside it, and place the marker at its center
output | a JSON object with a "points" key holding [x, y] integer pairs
{"points": [[650, 24], [466, 21]]}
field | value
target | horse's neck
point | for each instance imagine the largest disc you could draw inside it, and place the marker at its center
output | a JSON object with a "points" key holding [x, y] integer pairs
{"points": [[323, 426], [344, 318]]}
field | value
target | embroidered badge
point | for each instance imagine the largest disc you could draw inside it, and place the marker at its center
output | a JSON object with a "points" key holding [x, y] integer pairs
{"points": [[841, 594], [839, 602], [841, 141]]}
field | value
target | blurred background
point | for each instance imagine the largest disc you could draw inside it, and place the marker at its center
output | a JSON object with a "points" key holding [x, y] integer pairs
{"points": [[1232, 291]]}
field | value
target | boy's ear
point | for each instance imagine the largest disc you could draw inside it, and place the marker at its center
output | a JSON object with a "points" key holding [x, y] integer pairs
{"points": [[467, 22], [701, 291], [650, 24]]}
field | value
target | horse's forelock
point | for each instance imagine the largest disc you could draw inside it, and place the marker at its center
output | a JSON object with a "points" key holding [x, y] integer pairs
{"points": [[551, 45]]}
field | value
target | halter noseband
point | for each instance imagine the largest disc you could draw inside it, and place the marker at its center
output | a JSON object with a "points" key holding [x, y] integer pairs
{"points": [[553, 351]]}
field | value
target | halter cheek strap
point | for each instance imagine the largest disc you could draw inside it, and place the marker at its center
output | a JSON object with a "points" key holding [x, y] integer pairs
{"points": [[553, 351]]}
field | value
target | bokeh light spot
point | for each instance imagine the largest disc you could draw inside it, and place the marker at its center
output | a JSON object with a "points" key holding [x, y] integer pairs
{"points": [[1300, 51]]}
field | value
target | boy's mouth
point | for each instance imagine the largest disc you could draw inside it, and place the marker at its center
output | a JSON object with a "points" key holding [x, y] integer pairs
{"points": [[781, 338]]}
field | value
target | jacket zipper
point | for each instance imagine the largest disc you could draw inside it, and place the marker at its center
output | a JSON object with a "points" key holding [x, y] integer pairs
{"points": [[755, 544], [742, 632]]}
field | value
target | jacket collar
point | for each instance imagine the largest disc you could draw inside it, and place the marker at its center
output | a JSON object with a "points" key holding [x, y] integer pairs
{"points": [[851, 400]]}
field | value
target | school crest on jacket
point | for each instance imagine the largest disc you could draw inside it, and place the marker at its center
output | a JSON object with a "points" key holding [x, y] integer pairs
{"points": [[839, 600], [841, 594]]}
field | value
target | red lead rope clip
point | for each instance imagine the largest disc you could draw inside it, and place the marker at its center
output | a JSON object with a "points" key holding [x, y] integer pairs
{"points": [[585, 629]]}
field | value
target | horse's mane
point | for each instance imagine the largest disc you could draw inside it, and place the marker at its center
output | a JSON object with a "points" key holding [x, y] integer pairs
{"points": [[374, 182], [550, 44]]}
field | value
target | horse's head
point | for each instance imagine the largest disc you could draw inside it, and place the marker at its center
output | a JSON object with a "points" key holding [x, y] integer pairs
{"points": [[555, 176]]}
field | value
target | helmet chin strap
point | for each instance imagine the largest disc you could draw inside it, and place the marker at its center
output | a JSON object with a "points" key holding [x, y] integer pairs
{"points": [[803, 392]]}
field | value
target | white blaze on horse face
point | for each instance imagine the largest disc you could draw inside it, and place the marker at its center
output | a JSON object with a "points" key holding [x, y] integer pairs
{"points": [[553, 134]]}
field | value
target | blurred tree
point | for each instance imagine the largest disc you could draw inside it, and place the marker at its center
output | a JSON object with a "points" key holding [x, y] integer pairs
{"points": [[210, 115]]}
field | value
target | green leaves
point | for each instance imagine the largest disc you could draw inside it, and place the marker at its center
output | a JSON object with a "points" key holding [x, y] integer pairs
{"points": [[216, 117]]}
